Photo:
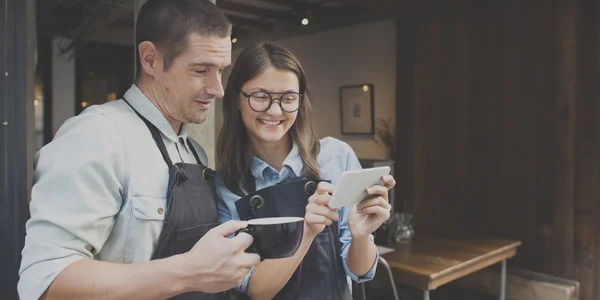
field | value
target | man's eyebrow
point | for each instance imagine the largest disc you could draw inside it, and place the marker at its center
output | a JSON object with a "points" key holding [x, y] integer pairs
{"points": [[207, 64], [203, 64]]}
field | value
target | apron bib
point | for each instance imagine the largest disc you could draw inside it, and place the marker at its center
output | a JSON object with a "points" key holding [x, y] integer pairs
{"points": [[191, 209]]}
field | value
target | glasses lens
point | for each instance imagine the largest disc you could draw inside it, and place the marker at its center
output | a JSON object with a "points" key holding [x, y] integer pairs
{"points": [[260, 101], [290, 101]]}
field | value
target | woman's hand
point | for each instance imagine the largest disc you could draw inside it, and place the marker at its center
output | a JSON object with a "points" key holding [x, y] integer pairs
{"points": [[318, 213], [367, 216]]}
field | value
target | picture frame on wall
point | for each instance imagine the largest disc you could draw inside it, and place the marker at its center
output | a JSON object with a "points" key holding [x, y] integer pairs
{"points": [[357, 109]]}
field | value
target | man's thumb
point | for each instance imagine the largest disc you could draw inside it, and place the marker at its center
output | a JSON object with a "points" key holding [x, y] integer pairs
{"points": [[230, 227]]}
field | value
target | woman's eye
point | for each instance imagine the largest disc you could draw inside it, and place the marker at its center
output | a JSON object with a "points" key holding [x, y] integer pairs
{"points": [[260, 95]]}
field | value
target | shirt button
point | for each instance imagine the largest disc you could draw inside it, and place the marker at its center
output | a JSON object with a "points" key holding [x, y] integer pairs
{"points": [[161, 211]]}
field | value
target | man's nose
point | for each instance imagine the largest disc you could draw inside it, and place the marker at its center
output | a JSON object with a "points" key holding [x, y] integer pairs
{"points": [[215, 88]]}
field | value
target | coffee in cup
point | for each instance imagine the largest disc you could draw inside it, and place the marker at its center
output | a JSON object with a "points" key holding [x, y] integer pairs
{"points": [[275, 237]]}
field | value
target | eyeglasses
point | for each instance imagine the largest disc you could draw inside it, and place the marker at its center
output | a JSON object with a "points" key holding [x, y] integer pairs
{"points": [[262, 101]]}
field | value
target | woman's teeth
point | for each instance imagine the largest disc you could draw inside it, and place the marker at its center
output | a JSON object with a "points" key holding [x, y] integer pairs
{"points": [[270, 123]]}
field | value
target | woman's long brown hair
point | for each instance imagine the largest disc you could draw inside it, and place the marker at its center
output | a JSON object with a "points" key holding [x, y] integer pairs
{"points": [[233, 156]]}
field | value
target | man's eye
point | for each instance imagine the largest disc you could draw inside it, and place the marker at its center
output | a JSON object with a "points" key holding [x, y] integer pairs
{"points": [[201, 72]]}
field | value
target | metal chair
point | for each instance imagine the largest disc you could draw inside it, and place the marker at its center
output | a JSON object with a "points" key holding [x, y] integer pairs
{"points": [[391, 276]]}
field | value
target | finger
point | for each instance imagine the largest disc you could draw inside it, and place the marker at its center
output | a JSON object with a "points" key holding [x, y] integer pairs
{"points": [[378, 190], [230, 227], [379, 201], [322, 211], [242, 241], [321, 199], [317, 219], [324, 187], [388, 181], [375, 210], [249, 260]]}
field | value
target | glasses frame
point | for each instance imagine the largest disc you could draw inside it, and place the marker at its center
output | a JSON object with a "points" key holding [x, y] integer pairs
{"points": [[248, 96]]}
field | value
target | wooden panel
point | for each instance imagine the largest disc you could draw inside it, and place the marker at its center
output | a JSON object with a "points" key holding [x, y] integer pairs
{"points": [[426, 126], [406, 51], [592, 84], [584, 254], [453, 107], [587, 171], [565, 160]]}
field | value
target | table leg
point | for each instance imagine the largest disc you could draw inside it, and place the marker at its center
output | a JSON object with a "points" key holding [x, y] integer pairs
{"points": [[425, 295], [502, 281]]}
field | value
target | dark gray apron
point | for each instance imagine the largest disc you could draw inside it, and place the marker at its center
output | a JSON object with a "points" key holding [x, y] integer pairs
{"points": [[191, 208], [321, 273]]}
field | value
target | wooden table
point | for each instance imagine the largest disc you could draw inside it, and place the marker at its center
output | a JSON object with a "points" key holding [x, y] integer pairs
{"points": [[427, 263]]}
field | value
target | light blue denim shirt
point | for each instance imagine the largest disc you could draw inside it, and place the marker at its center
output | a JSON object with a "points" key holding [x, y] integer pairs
{"points": [[334, 158]]}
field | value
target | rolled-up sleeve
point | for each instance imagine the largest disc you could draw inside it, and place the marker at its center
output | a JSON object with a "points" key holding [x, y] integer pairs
{"points": [[346, 240], [78, 184]]}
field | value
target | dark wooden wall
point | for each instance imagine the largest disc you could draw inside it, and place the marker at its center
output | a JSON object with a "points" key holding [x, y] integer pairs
{"points": [[15, 83], [499, 127]]}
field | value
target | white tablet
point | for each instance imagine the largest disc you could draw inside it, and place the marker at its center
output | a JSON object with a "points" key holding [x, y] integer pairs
{"points": [[351, 189]]}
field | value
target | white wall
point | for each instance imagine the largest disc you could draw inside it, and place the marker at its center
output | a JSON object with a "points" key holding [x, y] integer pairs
{"points": [[63, 84], [358, 54]]}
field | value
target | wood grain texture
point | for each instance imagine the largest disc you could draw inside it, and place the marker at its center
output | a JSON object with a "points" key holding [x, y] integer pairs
{"points": [[428, 263]]}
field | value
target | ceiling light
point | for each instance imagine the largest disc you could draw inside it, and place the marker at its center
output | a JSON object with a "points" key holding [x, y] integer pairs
{"points": [[234, 40], [365, 88], [305, 21]]}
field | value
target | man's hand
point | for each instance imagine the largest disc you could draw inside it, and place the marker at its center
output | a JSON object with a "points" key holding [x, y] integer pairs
{"points": [[318, 213], [218, 263], [367, 216]]}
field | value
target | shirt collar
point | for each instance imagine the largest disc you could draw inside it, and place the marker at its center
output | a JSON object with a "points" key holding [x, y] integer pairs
{"points": [[148, 110], [293, 161]]}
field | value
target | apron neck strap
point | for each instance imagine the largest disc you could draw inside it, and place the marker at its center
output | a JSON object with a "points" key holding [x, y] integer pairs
{"points": [[159, 141]]}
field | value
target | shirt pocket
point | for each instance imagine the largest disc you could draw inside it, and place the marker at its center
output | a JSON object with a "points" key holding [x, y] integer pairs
{"points": [[145, 224]]}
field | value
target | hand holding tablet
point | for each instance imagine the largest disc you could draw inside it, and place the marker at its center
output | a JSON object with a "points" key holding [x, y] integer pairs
{"points": [[352, 186]]}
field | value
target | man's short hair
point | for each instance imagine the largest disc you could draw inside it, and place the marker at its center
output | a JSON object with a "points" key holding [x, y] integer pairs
{"points": [[169, 23]]}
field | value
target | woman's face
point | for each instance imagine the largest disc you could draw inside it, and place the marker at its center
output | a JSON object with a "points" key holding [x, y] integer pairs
{"points": [[272, 125]]}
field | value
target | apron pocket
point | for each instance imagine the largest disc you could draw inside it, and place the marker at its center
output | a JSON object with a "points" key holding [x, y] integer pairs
{"points": [[185, 239], [323, 236]]}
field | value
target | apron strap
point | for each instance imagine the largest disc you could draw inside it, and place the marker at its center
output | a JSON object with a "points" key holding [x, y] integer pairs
{"points": [[159, 141], [193, 151]]}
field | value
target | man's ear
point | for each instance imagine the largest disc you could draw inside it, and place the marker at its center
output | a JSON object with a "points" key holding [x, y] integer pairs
{"points": [[150, 58]]}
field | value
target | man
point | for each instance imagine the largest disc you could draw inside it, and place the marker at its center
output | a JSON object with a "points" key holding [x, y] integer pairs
{"points": [[122, 205]]}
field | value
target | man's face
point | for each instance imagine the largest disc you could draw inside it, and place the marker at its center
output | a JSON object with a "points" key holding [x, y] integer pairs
{"points": [[186, 90]]}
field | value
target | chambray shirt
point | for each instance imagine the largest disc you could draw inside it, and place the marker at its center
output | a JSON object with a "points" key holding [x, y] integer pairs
{"points": [[99, 191], [334, 158]]}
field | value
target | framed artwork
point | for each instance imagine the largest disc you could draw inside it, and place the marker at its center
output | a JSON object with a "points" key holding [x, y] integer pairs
{"points": [[356, 109]]}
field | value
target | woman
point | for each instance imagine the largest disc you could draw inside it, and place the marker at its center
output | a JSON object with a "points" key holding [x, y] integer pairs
{"points": [[268, 143]]}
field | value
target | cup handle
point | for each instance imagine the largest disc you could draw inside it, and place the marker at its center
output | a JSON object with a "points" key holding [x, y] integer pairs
{"points": [[250, 232]]}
